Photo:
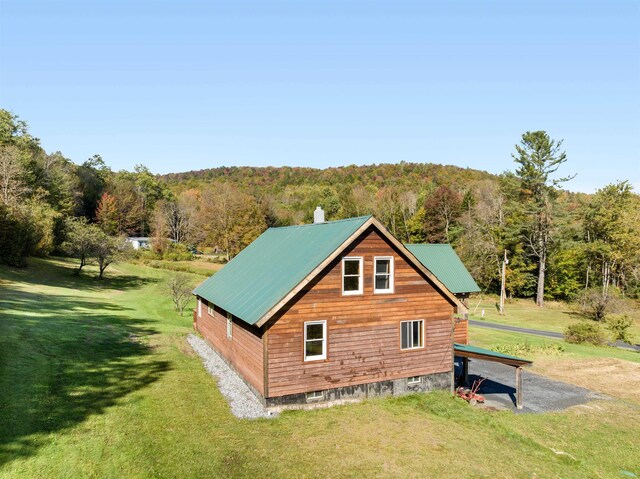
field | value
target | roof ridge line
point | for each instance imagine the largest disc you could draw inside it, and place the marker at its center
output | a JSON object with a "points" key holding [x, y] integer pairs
{"points": [[344, 220]]}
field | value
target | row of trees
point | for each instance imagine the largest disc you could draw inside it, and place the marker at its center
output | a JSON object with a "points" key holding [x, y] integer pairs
{"points": [[560, 244]]}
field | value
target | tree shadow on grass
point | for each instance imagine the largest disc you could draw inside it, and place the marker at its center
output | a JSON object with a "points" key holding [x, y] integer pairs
{"points": [[59, 272], [63, 359]]}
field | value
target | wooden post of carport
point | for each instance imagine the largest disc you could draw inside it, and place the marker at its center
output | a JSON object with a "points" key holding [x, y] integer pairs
{"points": [[519, 387], [465, 371]]}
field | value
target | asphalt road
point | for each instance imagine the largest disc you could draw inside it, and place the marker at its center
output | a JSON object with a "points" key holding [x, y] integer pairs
{"points": [[539, 332]]}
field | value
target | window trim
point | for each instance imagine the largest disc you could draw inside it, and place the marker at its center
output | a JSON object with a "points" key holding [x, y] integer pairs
{"points": [[323, 356], [360, 276], [199, 307], [422, 336], [390, 290], [209, 309], [229, 326], [414, 380]]}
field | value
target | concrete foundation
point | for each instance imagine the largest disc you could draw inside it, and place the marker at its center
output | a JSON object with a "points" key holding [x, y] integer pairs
{"points": [[396, 387]]}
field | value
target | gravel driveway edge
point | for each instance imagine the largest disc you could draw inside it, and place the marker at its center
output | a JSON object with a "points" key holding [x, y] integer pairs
{"points": [[243, 402]]}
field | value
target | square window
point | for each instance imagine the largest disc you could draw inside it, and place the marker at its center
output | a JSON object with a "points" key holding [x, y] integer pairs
{"points": [[314, 396], [352, 276], [315, 340], [411, 334], [210, 310], [383, 275]]}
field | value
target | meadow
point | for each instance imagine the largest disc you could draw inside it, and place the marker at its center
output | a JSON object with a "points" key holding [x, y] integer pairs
{"points": [[97, 380]]}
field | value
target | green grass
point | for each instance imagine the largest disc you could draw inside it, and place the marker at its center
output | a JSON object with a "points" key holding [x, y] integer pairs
{"points": [[555, 316], [96, 380], [489, 338], [196, 266]]}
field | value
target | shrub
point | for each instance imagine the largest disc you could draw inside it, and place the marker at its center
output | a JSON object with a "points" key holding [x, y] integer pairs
{"points": [[584, 332], [521, 349], [596, 305], [177, 252], [179, 287], [618, 325]]}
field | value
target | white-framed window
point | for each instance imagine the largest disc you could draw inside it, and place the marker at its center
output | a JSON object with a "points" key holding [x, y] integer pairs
{"points": [[199, 308], [352, 275], [229, 325], [412, 334], [314, 395], [383, 274], [315, 340], [209, 309], [414, 380]]}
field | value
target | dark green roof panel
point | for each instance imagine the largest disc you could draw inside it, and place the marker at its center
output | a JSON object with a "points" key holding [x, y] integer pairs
{"points": [[444, 263], [273, 265], [467, 348]]}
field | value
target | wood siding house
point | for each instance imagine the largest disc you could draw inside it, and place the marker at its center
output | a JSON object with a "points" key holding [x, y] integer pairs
{"points": [[330, 311]]}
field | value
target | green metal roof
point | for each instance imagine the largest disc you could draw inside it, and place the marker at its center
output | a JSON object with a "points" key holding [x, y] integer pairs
{"points": [[444, 263], [467, 348], [273, 265]]}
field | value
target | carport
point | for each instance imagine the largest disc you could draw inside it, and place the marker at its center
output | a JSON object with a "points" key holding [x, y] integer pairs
{"points": [[465, 351]]}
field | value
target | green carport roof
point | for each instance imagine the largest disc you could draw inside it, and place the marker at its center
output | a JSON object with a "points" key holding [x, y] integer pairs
{"points": [[444, 263], [268, 269], [481, 353]]}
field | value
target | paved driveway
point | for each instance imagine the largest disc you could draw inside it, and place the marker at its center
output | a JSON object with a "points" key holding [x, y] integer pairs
{"points": [[539, 393]]}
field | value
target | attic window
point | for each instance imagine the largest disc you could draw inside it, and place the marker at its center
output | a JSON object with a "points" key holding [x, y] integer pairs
{"points": [[383, 280], [352, 276]]}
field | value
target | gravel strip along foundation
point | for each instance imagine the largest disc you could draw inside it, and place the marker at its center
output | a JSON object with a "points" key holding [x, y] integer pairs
{"points": [[244, 403]]}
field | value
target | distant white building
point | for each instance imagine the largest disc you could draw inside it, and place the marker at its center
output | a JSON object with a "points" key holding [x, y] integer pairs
{"points": [[139, 242]]}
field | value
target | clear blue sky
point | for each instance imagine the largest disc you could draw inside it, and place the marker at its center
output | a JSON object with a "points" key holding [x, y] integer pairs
{"points": [[187, 85]]}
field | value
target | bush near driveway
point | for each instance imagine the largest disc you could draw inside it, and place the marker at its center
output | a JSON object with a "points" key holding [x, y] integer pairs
{"points": [[584, 332]]}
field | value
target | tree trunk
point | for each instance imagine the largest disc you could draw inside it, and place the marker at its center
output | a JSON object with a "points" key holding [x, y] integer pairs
{"points": [[503, 292], [541, 271], [82, 263]]}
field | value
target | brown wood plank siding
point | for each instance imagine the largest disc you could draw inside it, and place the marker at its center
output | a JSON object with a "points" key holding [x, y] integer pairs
{"points": [[363, 330], [244, 350], [461, 333]]}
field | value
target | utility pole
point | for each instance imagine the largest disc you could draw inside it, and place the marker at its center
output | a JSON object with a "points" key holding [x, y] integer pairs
{"points": [[503, 291]]}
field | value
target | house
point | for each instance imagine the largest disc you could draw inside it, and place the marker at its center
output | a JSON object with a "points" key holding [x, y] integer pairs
{"points": [[139, 242], [330, 311]]}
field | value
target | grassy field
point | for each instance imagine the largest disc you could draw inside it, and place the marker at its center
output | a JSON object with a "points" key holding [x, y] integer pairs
{"points": [[555, 316], [612, 371], [96, 380], [196, 266]]}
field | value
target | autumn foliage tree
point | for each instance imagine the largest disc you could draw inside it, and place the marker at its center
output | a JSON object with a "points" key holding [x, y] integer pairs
{"points": [[443, 208], [107, 214], [230, 219]]}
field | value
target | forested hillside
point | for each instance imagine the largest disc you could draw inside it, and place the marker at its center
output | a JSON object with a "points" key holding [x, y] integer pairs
{"points": [[559, 244]]}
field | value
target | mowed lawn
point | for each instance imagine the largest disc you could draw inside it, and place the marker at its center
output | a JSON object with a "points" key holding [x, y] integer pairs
{"points": [[96, 380]]}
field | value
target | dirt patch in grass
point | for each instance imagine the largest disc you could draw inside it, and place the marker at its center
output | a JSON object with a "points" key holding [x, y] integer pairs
{"points": [[614, 377]]}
